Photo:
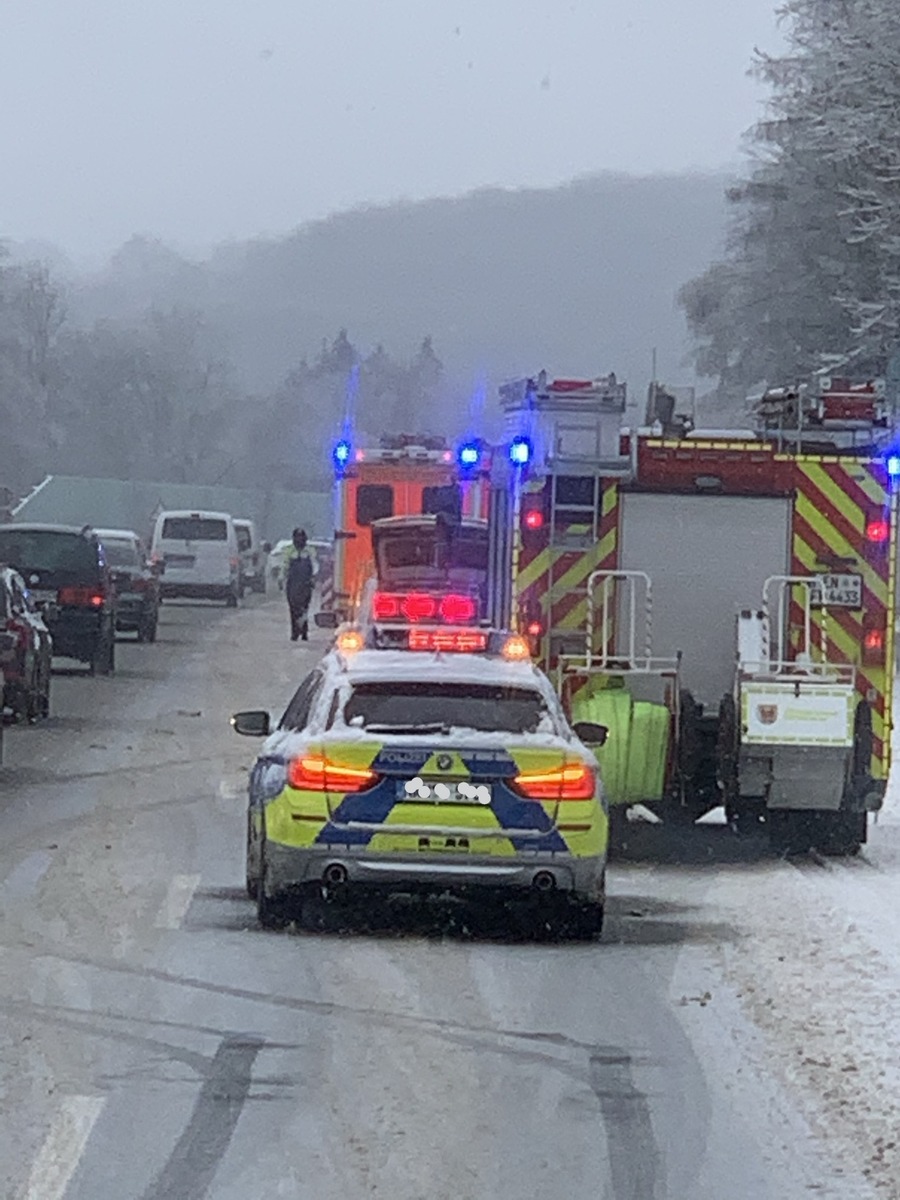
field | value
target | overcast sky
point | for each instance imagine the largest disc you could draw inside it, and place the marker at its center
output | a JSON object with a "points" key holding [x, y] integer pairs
{"points": [[200, 120]]}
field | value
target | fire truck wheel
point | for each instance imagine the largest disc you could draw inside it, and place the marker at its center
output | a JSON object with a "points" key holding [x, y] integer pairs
{"points": [[790, 830], [839, 834], [727, 750], [689, 746]]}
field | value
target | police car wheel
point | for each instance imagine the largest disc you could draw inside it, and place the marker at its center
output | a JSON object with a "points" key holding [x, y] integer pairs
{"points": [[252, 862], [586, 921], [270, 910]]}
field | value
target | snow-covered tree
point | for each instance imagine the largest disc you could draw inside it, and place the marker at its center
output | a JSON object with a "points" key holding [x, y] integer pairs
{"points": [[811, 274]]}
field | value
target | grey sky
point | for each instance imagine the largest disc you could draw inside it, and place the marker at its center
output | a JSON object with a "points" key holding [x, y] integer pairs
{"points": [[199, 120]]}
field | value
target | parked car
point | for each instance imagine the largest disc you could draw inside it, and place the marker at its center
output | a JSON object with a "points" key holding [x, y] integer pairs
{"points": [[252, 554], [136, 581], [275, 562], [199, 553], [26, 652], [65, 571]]}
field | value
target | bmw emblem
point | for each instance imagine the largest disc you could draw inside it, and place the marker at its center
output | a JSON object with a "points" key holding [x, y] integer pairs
{"points": [[444, 762]]}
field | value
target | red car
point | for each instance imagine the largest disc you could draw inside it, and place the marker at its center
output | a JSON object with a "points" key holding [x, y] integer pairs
{"points": [[25, 651]]}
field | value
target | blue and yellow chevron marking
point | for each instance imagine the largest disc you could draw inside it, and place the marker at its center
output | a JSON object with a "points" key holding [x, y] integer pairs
{"points": [[303, 819]]}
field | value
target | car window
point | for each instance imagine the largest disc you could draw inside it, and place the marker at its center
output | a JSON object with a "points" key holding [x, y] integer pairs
{"points": [[483, 707], [121, 553], [374, 502], [296, 715], [244, 540], [59, 556], [195, 529]]}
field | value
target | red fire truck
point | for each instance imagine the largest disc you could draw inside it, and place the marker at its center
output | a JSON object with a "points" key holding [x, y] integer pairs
{"points": [[724, 607]]}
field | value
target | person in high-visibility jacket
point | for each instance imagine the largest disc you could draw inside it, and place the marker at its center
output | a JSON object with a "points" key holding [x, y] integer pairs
{"points": [[299, 578]]}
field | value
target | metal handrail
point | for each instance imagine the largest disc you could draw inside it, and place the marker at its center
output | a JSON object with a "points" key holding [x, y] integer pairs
{"points": [[783, 665]]}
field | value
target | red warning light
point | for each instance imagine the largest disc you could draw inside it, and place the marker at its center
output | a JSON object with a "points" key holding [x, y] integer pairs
{"points": [[878, 530], [534, 629], [534, 519], [874, 639]]}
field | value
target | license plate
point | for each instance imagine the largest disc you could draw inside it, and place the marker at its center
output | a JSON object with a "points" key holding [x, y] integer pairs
{"points": [[42, 595], [436, 791], [837, 591], [180, 560]]}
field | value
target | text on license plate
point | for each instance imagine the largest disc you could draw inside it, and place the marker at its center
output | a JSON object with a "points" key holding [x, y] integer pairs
{"points": [[837, 591], [435, 791]]}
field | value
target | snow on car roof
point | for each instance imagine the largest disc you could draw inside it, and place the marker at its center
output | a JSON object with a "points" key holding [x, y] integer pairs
{"points": [[116, 534], [372, 666]]}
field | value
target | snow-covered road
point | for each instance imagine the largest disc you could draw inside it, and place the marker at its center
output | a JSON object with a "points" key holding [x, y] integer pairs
{"points": [[732, 1037]]}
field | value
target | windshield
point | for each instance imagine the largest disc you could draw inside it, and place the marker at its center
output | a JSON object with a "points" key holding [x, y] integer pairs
{"points": [[194, 529], [408, 706], [244, 540]]}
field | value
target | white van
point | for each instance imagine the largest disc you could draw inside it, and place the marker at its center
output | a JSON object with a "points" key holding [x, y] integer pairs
{"points": [[199, 555], [252, 554]]}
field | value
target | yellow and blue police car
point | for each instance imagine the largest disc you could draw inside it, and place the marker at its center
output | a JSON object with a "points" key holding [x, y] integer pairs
{"points": [[444, 767]]}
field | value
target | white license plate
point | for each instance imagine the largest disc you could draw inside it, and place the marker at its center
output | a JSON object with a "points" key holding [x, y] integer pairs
{"points": [[43, 595], [837, 591], [180, 560], [435, 791]]}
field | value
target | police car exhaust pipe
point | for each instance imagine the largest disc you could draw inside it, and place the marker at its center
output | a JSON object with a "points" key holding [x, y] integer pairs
{"points": [[544, 881], [335, 874]]}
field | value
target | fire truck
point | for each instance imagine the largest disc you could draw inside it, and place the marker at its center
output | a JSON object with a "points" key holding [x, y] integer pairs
{"points": [[724, 605]]}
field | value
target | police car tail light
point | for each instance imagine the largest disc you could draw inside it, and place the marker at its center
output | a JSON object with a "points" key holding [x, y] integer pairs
{"points": [[455, 641], [571, 781], [316, 773]]}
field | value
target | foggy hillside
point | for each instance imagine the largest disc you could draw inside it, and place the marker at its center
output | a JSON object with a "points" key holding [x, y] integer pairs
{"points": [[580, 278], [243, 367]]}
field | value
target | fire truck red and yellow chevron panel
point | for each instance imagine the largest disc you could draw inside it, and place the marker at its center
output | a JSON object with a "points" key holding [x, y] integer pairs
{"points": [[843, 522]]}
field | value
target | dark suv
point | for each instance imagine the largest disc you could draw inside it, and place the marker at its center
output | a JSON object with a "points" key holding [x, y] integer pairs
{"points": [[66, 573]]}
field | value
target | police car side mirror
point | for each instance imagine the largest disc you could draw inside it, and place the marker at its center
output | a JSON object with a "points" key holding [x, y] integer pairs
{"points": [[326, 620], [254, 723], [590, 734]]}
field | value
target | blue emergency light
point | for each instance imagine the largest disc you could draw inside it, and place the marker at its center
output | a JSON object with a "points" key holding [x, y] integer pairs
{"points": [[341, 454], [520, 452], [469, 454], [893, 466]]}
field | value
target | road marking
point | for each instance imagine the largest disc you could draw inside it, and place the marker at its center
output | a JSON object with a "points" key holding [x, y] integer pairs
{"points": [[62, 1150], [229, 790], [177, 902]]}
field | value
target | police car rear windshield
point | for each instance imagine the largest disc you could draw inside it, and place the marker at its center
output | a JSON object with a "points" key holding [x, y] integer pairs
{"points": [[433, 707]]}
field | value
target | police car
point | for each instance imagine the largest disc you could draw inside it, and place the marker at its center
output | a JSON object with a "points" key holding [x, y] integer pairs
{"points": [[446, 766]]}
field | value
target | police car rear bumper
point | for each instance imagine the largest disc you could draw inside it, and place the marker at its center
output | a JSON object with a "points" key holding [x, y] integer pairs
{"points": [[287, 867]]}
